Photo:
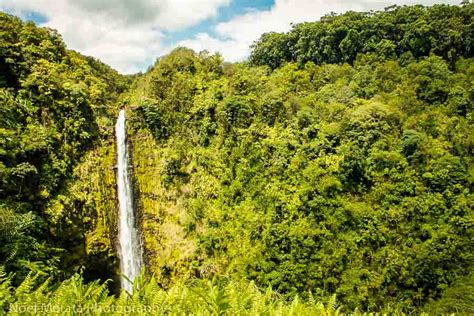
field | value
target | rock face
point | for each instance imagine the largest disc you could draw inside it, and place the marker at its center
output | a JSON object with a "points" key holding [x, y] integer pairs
{"points": [[167, 244]]}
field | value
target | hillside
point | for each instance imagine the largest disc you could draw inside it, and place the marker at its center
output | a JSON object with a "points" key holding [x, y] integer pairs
{"points": [[57, 106], [335, 164]]}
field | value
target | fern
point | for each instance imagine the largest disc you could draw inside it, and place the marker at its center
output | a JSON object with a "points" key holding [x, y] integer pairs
{"points": [[5, 289], [332, 306], [27, 285], [199, 298]]}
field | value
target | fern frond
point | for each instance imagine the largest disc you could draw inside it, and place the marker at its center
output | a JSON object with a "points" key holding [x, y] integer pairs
{"points": [[27, 285]]}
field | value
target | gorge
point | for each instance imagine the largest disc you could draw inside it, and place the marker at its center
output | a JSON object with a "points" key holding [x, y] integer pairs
{"points": [[331, 171]]}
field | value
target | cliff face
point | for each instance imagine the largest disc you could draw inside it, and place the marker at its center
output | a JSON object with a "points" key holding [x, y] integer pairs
{"points": [[89, 200], [168, 246]]}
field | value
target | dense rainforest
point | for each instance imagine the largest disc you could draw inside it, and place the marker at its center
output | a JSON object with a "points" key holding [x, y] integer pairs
{"points": [[56, 106], [331, 172]]}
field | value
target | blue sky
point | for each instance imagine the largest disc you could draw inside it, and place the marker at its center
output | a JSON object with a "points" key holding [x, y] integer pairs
{"points": [[36, 17], [130, 34], [225, 13]]}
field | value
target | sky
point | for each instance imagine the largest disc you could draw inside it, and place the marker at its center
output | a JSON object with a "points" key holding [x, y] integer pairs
{"points": [[130, 34]]}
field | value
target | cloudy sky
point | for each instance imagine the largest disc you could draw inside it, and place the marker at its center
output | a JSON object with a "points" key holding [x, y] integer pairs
{"points": [[129, 34]]}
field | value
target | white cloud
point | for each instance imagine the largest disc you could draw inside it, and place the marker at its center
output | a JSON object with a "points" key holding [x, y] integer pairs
{"points": [[233, 38], [126, 34]]}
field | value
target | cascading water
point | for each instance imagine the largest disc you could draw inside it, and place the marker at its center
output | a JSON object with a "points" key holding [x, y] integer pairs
{"points": [[129, 243]]}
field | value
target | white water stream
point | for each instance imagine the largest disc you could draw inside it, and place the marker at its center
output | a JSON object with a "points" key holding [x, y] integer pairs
{"points": [[129, 244]]}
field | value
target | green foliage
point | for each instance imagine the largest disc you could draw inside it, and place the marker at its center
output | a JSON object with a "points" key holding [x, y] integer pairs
{"points": [[54, 107], [330, 179], [459, 298], [337, 163], [217, 297], [404, 31]]}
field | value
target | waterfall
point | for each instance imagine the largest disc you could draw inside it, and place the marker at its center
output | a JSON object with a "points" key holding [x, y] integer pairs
{"points": [[129, 243]]}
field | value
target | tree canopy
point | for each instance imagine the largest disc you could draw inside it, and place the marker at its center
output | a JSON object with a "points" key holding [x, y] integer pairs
{"points": [[404, 32]]}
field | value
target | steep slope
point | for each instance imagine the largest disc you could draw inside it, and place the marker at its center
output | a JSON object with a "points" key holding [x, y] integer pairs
{"points": [[56, 192], [331, 178]]}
